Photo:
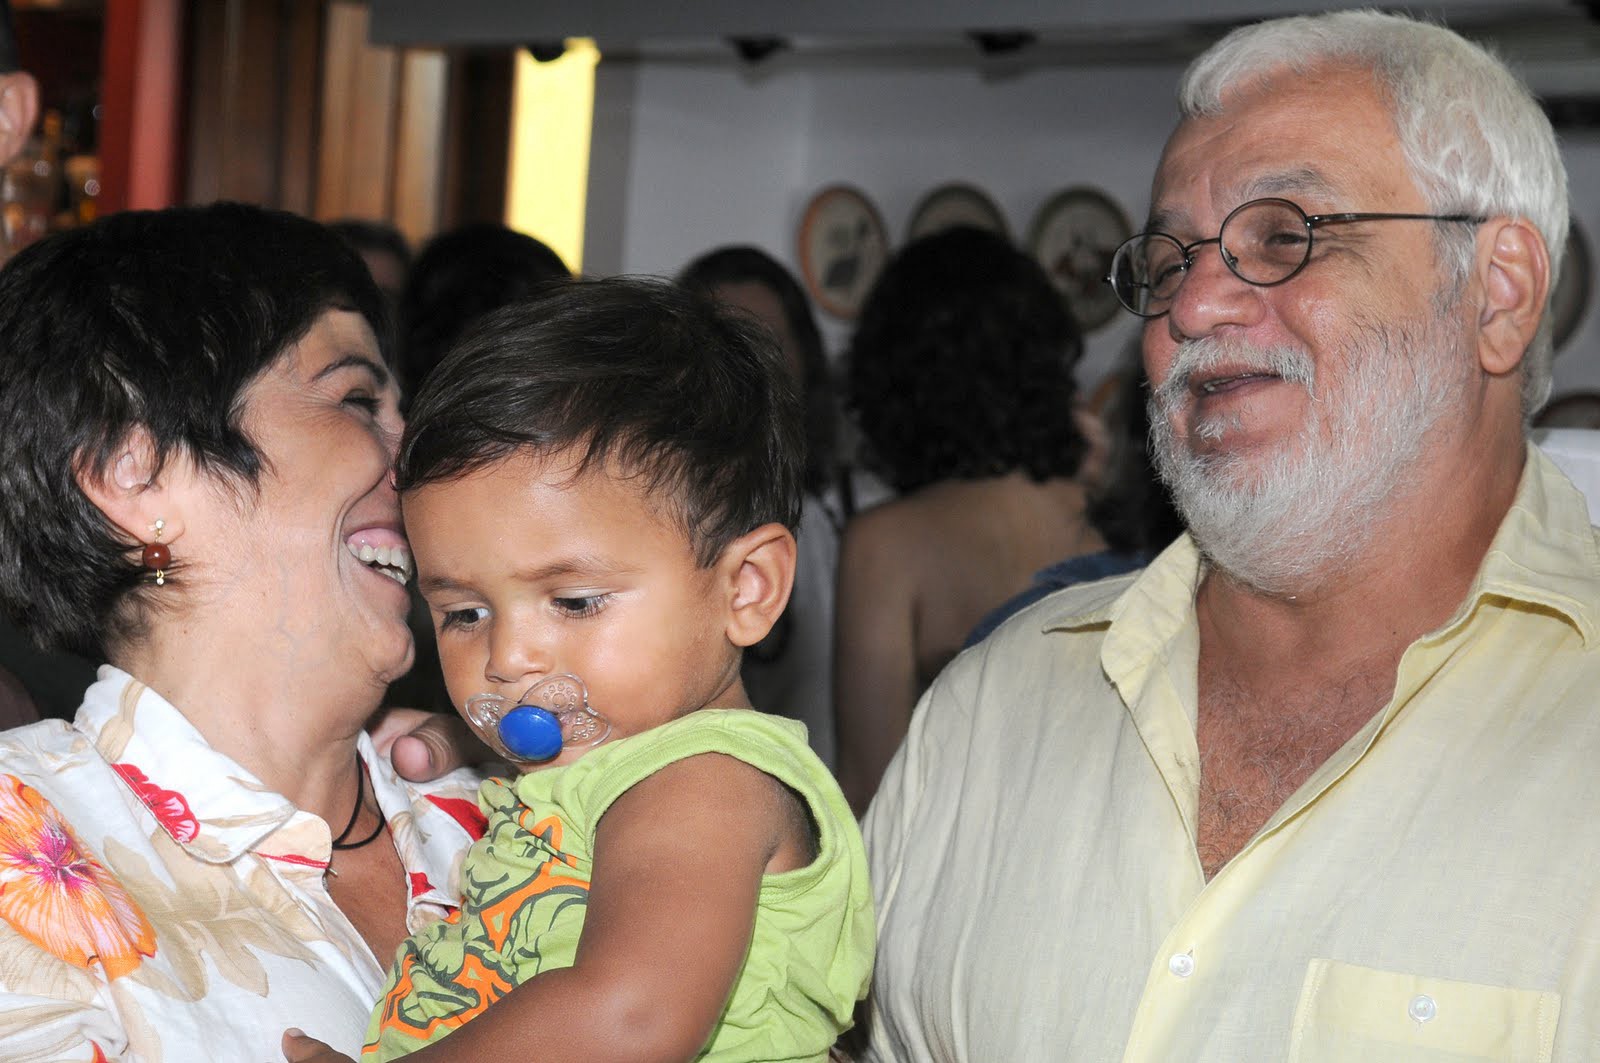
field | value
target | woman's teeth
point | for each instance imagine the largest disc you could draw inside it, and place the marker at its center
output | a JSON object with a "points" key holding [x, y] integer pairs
{"points": [[392, 561]]}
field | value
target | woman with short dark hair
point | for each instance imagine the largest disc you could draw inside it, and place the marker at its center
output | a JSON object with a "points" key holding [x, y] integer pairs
{"points": [[197, 430], [960, 375]]}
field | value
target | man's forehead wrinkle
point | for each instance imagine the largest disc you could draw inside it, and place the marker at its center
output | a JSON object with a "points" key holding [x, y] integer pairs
{"points": [[1234, 189], [1187, 171], [1287, 183]]}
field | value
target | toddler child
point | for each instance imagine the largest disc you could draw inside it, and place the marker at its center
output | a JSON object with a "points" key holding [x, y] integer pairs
{"points": [[600, 483]]}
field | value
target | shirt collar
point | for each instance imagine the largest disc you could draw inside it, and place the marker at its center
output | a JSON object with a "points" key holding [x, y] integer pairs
{"points": [[1544, 554], [1161, 595], [207, 802], [217, 811]]}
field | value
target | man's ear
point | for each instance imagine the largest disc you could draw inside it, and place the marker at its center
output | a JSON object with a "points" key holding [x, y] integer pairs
{"points": [[132, 491], [19, 109], [759, 567], [1514, 269]]}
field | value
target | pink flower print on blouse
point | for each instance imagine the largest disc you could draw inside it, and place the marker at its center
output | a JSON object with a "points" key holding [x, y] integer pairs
{"points": [[58, 896], [169, 806]]}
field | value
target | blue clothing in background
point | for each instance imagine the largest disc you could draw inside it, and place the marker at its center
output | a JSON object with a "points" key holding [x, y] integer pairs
{"points": [[1082, 569]]}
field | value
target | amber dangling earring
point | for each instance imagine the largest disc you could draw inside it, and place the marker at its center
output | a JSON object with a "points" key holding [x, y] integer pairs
{"points": [[156, 555]]}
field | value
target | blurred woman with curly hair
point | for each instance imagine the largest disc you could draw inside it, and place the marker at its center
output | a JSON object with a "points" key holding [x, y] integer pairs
{"points": [[960, 375]]}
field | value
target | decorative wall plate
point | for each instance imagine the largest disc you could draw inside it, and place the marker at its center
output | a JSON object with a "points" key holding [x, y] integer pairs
{"points": [[955, 204], [1073, 237], [843, 246]]}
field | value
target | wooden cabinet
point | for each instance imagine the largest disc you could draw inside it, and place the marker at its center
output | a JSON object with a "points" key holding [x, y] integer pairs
{"points": [[290, 106]]}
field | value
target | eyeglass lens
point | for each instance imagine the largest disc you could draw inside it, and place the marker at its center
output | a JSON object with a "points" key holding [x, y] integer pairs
{"points": [[1263, 242]]}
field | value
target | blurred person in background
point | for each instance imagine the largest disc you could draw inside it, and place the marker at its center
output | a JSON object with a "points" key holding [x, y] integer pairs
{"points": [[960, 375], [1129, 506], [790, 673], [385, 251], [459, 276], [456, 278], [19, 93]]}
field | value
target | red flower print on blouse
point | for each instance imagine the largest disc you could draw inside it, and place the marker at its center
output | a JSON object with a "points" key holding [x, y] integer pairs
{"points": [[169, 806], [58, 896], [463, 812], [419, 884]]}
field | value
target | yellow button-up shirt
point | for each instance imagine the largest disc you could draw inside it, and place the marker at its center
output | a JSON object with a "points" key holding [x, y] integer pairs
{"points": [[1431, 893]]}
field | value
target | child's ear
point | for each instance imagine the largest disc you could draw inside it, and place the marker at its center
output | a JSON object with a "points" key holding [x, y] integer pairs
{"points": [[132, 492], [759, 566]]}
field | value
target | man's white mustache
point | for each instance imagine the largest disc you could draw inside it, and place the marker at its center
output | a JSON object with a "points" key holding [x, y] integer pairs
{"points": [[1195, 357]]}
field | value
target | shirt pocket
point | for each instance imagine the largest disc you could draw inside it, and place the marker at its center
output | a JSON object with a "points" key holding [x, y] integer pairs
{"points": [[1358, 1013]]}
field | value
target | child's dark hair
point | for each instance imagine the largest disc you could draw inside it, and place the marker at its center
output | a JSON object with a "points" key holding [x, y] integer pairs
{"points": [[677, 391]]}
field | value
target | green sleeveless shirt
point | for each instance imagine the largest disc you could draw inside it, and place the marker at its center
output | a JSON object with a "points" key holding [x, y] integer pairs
{"points": [[527, 886]]}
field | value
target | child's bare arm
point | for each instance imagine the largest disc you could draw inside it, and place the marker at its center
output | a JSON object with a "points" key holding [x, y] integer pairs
{"points": [[677, 868]]}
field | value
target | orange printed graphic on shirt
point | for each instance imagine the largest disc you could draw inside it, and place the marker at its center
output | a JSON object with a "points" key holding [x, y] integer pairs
{"points": [[58, 896], [547, 833], [483, 985], [479, 953], [498, 916]]}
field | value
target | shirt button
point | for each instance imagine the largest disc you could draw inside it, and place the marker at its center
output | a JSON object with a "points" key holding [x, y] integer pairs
{"points": [[1182, 965], [1422, 1008]]}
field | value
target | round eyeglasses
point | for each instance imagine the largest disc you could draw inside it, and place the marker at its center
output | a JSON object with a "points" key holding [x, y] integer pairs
{"points": [[1262, 242]]}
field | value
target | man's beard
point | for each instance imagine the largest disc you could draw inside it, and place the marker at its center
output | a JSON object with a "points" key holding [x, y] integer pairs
{"points": [[1283, 522]]}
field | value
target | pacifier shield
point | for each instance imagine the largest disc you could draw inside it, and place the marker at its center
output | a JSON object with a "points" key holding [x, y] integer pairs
{"points": [[531, 732], [551, 715]]}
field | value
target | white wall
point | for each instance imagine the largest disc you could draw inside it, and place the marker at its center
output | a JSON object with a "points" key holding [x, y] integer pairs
{"points": [[688, 155]]}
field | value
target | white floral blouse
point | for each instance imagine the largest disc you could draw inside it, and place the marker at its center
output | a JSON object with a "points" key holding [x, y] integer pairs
{"points": [[158, 904]]}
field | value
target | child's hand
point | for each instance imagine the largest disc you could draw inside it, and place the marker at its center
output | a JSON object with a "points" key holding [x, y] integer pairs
{"points": [[298, 1048]]}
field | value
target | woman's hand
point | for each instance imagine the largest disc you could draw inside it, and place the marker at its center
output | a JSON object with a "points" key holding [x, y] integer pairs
{"points": [[425, 745], [299, 1048]]}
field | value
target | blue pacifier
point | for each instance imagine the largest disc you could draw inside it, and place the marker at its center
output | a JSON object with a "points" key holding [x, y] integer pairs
{"points": [[551, 715]]}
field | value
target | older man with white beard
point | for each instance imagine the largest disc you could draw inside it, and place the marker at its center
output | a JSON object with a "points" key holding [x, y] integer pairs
{"points": [[1320, 783]]}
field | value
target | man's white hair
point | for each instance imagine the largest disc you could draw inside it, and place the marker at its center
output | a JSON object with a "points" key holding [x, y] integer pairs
{"points": [[1475, 139]]}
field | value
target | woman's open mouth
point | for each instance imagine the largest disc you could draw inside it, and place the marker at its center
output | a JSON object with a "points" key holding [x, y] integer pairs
{"points": [[391, 559]]}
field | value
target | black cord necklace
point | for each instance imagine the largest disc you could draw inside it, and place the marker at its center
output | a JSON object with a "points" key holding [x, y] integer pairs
{"points": [[340, 844]]}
